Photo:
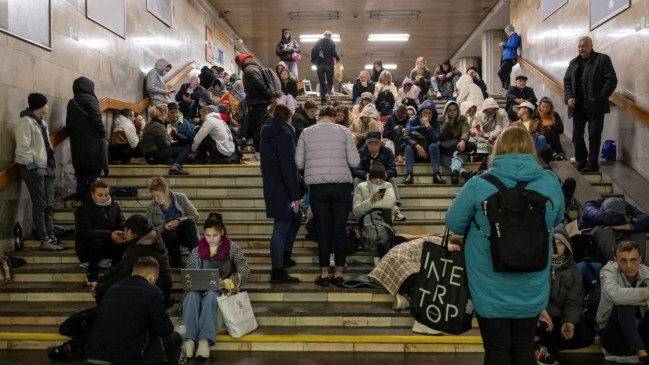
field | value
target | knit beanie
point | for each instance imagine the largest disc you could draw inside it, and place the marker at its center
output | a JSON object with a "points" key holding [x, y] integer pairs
{"points": [[614, 206], [36, 101], [138, 224], [377, 171], [240, 58]]}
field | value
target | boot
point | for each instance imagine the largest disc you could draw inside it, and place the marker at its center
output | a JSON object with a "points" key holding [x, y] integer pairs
{"points": [[288, 261], [455, 177], [409, 179], [437, 179], [280, 276], [466, 175]]}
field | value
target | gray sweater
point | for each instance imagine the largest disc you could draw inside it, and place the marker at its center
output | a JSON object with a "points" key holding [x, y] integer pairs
{"points": [[617, 290], [156, 217]]}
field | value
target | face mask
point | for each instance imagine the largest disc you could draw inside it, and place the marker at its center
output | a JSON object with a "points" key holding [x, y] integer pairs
{"points": [[202, 103], [374, 188]]}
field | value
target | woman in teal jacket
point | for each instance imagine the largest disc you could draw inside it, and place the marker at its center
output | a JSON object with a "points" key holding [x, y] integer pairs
{"points": [[507, 304]]}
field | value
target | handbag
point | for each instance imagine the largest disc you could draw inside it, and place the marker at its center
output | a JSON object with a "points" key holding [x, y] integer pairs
{"points": [[296, 56], [237, 313], [441, 299]]}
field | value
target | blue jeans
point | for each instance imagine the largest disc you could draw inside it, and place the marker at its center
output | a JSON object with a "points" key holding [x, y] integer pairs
{"points": [[200, 311], [433, 155], [282, 239], [454, 162], [539, 142]]}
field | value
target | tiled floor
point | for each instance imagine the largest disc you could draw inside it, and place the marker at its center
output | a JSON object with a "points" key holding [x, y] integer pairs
{"points": [[18, 357]]}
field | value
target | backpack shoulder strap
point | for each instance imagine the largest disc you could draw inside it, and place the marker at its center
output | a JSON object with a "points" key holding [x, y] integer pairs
{"points": [[493, 180]]}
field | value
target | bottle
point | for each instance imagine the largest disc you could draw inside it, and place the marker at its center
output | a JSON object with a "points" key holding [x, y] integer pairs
{"points": [[18, 237]]}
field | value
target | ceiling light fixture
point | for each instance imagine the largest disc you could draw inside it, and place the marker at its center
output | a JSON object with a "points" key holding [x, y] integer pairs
{"points": [[387, 66], [312, 38], [394, 14], [314, 15], [395, 37]]}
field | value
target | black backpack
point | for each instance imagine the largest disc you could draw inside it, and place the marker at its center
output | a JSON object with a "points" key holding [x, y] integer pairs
{"points": [[272, 81], [519, 234]]}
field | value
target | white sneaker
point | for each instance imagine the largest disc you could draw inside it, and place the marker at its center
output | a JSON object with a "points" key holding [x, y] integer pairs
{"points": [[455, 94], [189, 347], [438, 94], [398, 216], [420, 328], [84, 265], [203, 350], [332, 261], [400, 302], [105, 264]]}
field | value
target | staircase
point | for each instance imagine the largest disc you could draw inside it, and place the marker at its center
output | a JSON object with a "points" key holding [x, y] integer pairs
{"points": [[296, 317]]}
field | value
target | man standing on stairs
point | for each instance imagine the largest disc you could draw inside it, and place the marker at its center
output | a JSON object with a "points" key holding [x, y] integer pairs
{"points": [[589, 81], [281, 190]]}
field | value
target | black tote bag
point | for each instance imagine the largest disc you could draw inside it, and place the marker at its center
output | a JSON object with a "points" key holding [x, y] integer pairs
{"points": [[441, 299]]}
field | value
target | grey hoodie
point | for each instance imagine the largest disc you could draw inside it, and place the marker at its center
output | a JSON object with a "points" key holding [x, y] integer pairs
{"points": [[617, 290], [155, 86], [565, 284]]}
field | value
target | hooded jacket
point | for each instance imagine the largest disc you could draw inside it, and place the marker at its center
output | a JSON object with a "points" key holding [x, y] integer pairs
{"points": [[593, 215], [86, 129], [416, 126], [496, 294], [92, 221], [492, 125], [452, 69], [257, 91], [393, 121], [278, 170], [464, 108], [468, 91], [147, 245], [125, 126], [301, 121], [215, 128], [362, 195], [565, 284], [155, 86], [453, 129], [31, 147], [286, 55], [412, 94]]}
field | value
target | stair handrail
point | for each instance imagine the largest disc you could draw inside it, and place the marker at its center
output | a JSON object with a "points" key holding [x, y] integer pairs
{"points": [[10, 172], [618, 99]]}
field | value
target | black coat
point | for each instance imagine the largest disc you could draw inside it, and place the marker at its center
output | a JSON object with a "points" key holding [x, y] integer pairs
{"points": [[278, 170], [287, 55], [599, 81], [515, 93], [358, 89], [86, 129], [130, 317], [328, 48], [149, 245], [301, 121], [257, 91], [385, 156], [206, 77], [289, 87], [92, 221]]}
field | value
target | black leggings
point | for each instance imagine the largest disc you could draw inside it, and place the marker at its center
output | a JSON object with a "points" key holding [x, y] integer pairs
{"points": [[93, 251], [159, 157], [185, 234]]}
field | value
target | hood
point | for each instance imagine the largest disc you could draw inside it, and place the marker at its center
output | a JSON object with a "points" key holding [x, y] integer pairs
{"points": [[28, 113], [517, 167], [561, 234], [614, 206], [219, 82], [464, 81], [214, 115], [465, 106], [407, 81], [489, 103], [449, 103], [203, 95], [272, 128], [427, 104], [148, 239], [83, 85], [160, 66], [370, 111], [281, 63], [448, 63]]}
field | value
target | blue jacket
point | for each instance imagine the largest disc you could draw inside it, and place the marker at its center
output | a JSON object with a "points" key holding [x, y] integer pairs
{"points": [[184, 133], [393, 121], [495, 294], [278, 170], [510, 47], [385, 156], [415, 125], [592, 216]]}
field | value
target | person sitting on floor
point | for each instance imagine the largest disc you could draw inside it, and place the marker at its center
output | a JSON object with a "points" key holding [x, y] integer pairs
{"points": [[468, 91], [289, 90], [181, 131], [343, 116], [613, 220], [444, 80], [527, 121], [374, 151], [454, 142], [189, 89], [367, 121], [420, 75], [560, 325], [366, 98], [213, 143], [132, 325], [421, 136], [362, 85], [622, 318], [385, 93], [394, 127], [492, 120], [124, 139], [156, 142], [473, 72], [408, 94], [517, 95], [552, 126], [200, 309]]}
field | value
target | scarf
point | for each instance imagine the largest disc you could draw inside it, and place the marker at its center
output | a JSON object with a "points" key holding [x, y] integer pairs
{"points": [[557, 262], [106, 204], [222, 251]]}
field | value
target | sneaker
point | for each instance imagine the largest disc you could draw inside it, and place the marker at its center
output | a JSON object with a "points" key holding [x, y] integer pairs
{"points": [[252, 161], [83, 265], [438, 94], [543, 356], [105, 264], [137, 161], [400, 302], [558, 157], [184, 250], [422, 329], [177, 171], [455, 94], [49, 245], [332, 260], [203, 350], [400, 160], [328, 99], [398, 216], [58, 352], [189, 346]]}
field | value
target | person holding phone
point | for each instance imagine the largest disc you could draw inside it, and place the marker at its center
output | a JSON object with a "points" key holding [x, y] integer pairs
{"points": [[374, 193]]}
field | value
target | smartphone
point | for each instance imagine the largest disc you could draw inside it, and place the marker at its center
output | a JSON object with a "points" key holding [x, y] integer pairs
{"points": [[382, 192]]}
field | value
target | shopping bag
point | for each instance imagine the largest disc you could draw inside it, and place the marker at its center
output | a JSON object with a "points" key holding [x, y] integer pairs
{"points": [[237, 314], [441, 299]]}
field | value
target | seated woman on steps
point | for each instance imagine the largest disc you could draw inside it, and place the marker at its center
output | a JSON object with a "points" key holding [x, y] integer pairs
{"points": [[552, 126], [174, 217], [200, 309], [156, 142]]}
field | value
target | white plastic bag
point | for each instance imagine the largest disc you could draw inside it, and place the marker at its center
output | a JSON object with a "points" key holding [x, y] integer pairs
{"points": [[237, 314]]}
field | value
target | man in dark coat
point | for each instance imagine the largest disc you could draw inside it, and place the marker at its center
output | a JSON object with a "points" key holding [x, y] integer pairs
{"points": [[589, 81], [323, 55], [132, 325], [206, 77], [518, 94], [281, 190], [87, 135]]}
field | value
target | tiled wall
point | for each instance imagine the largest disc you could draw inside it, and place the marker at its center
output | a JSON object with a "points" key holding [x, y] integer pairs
{"points": [[116, 65], [552, 43]]}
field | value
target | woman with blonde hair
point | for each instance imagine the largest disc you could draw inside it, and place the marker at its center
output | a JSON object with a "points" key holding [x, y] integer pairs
{"points": [[552, 127], [156, 142], [385, 93], [508, 304], [174, 216], [421, 75]]}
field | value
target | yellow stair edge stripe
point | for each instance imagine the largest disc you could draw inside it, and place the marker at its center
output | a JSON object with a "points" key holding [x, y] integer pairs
{"points": [[22, 336], [188, 166]]}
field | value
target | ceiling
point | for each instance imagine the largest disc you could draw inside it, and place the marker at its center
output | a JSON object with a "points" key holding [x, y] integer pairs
{"points": [[441, 30]]}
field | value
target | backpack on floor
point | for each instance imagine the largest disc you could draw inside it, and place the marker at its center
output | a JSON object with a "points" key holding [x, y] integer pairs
{"points": [[375, 231], [519, 234], [609, 150]]}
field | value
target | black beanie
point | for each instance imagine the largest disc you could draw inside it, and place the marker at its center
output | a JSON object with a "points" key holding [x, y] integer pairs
{"points": [[377, 171], [138, 224], [36, 101]]}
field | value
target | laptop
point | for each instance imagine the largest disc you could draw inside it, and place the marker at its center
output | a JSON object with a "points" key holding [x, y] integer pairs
{"points": [[200, 279]]}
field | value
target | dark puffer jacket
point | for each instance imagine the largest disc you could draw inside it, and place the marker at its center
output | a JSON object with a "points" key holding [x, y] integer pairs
{"points": [[283, 55], [92, 221], [301, 121], [257, 91], [565, 285], [86, 129], [385, 156], [593, 215]]}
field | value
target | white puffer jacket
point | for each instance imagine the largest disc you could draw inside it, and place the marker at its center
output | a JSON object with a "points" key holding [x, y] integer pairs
{"points": [[326, 151]]}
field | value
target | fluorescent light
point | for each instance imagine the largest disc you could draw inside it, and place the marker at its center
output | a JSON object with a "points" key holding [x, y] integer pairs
{"points": [[387, 66], [314, 15], [399, 37], [312, 38], [313, 67], [394, 14]]}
